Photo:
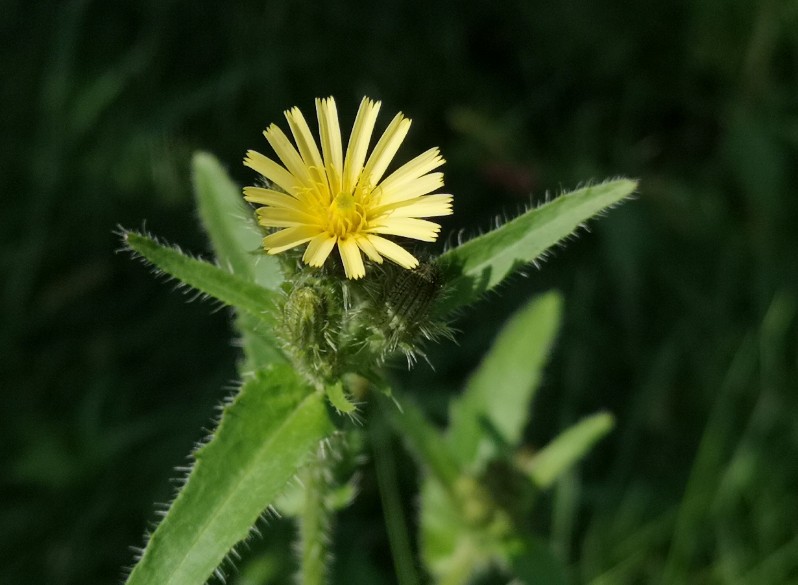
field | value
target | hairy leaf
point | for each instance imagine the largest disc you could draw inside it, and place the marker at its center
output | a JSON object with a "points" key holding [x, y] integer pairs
{"points": [[480, 264], [222, 285], [264, 436]]}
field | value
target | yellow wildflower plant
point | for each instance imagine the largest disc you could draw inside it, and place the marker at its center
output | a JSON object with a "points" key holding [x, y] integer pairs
{"points": [[329, 198]]}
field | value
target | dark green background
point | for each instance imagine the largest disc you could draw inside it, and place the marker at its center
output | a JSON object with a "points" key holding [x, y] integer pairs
{"points": [[680, 305]]}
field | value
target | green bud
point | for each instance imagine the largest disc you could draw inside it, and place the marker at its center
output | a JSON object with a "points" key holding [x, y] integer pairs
{"points": [[309, 332], [305, 316], [411, 295], [399, 313], [333, 327]]}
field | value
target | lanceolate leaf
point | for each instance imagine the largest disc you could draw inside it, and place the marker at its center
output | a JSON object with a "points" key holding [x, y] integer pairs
{"points": [[236, 242], [495, 406], [480, 264], [222, 285], [258, 343], [230, 224], [568, 448], [263, 438]]}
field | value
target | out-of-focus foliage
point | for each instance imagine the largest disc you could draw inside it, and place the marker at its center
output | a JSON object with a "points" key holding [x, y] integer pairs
{"points": [[679, 309]]}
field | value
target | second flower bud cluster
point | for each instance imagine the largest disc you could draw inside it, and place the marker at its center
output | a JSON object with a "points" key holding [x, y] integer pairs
{"points": [[332, 326]]}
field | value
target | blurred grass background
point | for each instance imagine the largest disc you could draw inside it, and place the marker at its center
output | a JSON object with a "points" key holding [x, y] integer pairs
{"points": [[680, 305]]}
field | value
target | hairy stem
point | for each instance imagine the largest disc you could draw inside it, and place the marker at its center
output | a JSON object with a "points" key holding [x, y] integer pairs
{"points": [[314, 521]]}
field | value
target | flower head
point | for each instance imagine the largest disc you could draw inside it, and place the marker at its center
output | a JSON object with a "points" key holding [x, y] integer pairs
{"points": [[328, 198]]}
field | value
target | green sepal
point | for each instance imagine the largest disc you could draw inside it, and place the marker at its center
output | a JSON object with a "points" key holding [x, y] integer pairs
{"points": [[477, 266], [339, 399], [263, 438]]}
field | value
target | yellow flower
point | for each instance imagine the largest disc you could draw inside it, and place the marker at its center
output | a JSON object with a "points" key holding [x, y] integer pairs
{"points": [[325, 198]]}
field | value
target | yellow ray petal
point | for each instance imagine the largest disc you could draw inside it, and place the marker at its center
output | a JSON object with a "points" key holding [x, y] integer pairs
{"points": [[306, 144], [359, 143], [426, 206], [272, 171], [408, 190], [278, 217], [330, 133], [289, 238], [368, 248], [385, 149], [393, 251], [407, 227], [287, 154], [353, 261], [421, 165], [319, 249], [272, 197]]}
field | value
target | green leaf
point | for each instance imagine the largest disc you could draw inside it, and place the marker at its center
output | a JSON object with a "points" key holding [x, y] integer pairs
{"points": [[424, 441], [230, 224], [480, 264], [444, 536], [568, 448], [495, 407], [533, 562], [258, 343], [236, 242], [264, 437], [212, 280], [339, 399]]}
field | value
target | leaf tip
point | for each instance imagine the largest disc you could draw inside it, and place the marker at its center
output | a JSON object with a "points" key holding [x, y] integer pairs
{"points": [[202, 158], [604, 422], [626, 184]]}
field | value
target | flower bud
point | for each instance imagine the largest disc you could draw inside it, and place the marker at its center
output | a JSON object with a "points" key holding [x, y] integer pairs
{"points": [[411, 294], [304, 317]]}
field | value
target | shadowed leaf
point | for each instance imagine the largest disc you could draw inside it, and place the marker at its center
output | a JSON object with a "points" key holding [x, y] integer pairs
{"points": [[495, 406]]}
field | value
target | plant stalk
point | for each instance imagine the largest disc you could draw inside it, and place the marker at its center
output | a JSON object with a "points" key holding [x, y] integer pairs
{"points": [[395, 523], [314, 521]]}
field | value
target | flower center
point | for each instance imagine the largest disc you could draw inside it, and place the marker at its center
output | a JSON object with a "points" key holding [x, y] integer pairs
{"points": [[345, 216]]}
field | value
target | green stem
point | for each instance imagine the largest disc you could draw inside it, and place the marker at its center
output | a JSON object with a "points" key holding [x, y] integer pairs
{"points": [[395, 524], [314, 521]]}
